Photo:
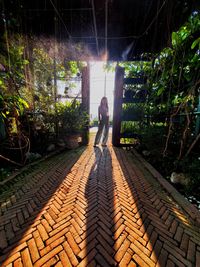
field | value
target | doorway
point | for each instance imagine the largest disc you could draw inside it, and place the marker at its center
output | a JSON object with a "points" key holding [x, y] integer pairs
{"points": [[101, 84]]}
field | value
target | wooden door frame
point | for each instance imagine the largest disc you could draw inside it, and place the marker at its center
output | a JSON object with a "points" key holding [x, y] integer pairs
{"points": [[117, 110], [85, 89]]}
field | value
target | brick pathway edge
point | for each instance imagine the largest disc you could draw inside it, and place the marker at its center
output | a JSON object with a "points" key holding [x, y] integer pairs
{"points": [[191, 210]]}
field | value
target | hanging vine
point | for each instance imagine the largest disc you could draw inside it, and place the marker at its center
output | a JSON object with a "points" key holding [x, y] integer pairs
{"points": [[175, 80]]}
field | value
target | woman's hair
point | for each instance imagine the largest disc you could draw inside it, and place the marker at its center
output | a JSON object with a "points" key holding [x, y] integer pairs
{"points": [[106, 102]]}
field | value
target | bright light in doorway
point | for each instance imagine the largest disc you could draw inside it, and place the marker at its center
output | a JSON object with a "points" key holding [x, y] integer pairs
{"points": [[97, 85]]}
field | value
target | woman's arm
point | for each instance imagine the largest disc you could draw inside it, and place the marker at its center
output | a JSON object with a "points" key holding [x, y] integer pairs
{"points": [[99, 115]]}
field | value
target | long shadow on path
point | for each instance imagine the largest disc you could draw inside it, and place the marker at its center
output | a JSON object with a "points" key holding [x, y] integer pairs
{"points": [[99, 193]]}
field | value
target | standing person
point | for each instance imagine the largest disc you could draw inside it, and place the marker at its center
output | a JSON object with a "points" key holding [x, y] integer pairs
{"points": [[103, 115]]}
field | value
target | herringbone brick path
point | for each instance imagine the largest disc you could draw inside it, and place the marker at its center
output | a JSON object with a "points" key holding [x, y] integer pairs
{"points": [[96, 207]]}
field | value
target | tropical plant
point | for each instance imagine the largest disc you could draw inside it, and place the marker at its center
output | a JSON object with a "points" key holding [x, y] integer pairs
{"points": [[174, 83], [71, 117]]}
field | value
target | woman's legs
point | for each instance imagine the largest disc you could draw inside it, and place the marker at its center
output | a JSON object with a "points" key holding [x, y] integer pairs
{"points": [[105, 132], [99, 133]]}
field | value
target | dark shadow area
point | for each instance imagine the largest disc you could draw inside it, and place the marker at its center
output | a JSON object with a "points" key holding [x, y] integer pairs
{"points": [[99, 193], [30, 200]]}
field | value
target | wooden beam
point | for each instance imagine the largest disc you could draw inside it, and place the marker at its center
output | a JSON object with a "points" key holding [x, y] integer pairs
{"points": [[86, 101], [117, 111]]}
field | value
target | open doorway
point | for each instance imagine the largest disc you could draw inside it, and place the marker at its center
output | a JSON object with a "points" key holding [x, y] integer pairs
{"points": [[101, 84]]}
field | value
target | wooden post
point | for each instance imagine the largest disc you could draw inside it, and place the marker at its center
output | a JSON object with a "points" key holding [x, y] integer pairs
{"points": [[86, 101], [117, 111]]}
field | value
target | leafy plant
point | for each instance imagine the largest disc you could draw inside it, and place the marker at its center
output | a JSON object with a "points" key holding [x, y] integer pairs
{"points": [[71, 117]]}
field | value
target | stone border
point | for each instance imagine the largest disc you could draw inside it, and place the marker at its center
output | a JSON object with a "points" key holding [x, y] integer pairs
{"points": [[192, 211]]}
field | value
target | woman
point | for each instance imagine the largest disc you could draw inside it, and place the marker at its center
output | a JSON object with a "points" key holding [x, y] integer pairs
{"points": [[103, 115]]}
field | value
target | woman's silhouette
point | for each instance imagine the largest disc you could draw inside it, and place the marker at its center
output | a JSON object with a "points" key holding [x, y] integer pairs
{"points": [[103, 127]]}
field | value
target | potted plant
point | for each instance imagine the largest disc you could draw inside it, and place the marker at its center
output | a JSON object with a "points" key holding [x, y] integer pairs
{"points": [[72, 121]]}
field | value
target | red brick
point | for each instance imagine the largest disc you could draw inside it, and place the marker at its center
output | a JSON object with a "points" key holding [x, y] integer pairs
{"points": [[65, 259], [179, 233], [52, 262], [17, 248], [72, 243], [122, 250], [26, 258], [56, 236], [3, 240], [18, 263], [88, 261], [133, 236], [191, 251], [177, 262], [100, 259], [38, 240], [70, 254], [140, 261], [152, 240], [59, 264], [142, 248], [125, 260], [103, 242], [170, 264], [156, 251], [33, 250], [132, 264], [184, 242], [197, 258], [59, 228], [12, 258], [42, 232], [162, 260], [175, 253], [53, 245], [119, 231], [142, 256], [48, 256]]}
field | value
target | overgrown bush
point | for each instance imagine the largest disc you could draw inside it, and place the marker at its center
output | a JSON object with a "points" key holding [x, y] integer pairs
{"points": [[71, 117]]}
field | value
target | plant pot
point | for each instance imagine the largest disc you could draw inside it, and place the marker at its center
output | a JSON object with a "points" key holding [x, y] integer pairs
{"points": [[72, 141]]}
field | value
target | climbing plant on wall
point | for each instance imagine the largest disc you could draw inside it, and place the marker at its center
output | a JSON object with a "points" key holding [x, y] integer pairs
{"points": [[12, 77], [175, 81], [28, 112], [172, 129]]}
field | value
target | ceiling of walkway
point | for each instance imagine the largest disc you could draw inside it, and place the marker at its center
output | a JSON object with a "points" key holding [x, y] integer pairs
{"points": [[131, 27]]}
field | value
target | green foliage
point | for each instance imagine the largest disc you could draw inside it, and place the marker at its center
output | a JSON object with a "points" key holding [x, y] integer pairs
{"points": [[136, 68], [173, 86], [132, 112], [4, 173], [71, 117], [46, 69], [12, 79], [29, 85], [175, 69], [94, 122], [73, 67], [14, 63], [129, 127], [12, 105]]}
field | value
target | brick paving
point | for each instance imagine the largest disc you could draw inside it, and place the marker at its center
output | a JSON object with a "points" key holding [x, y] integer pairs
{"points": [[95, 207]]}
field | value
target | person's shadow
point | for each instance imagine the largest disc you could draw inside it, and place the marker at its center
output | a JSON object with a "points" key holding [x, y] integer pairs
{"points": [[99, 193]]}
